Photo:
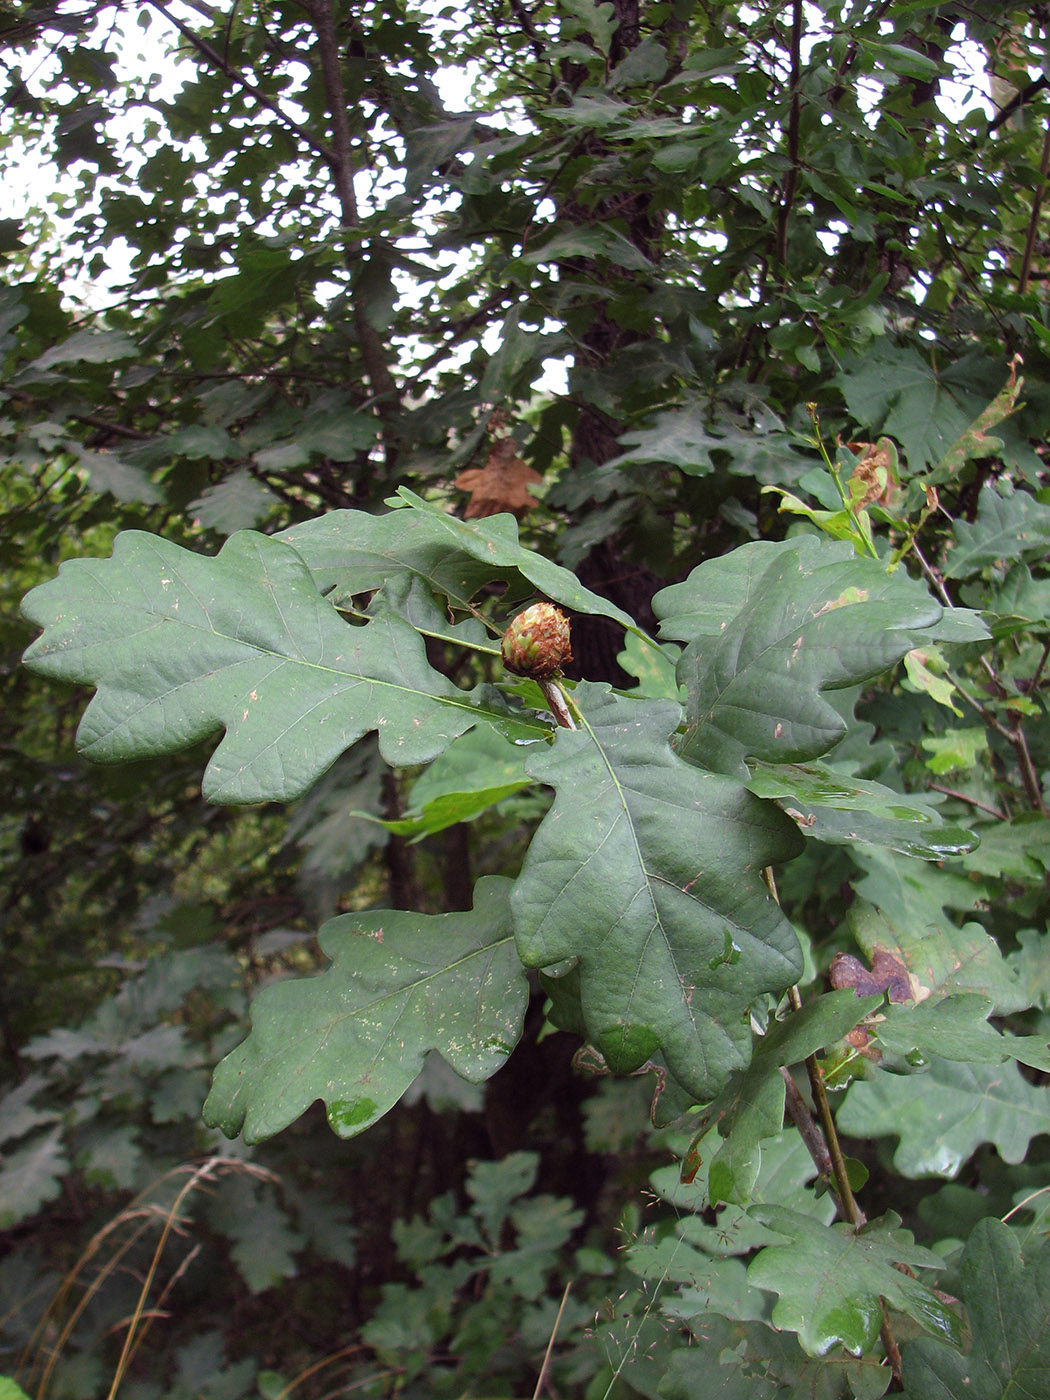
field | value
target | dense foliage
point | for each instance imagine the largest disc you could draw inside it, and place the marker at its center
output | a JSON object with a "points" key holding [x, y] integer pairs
{"points": [[694, 991]]}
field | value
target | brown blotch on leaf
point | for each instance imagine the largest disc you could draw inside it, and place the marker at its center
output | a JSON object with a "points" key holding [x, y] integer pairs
{"points": [[886, 974]]}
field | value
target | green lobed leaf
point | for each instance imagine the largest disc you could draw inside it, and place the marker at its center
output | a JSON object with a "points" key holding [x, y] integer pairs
{"points": [[180, 646], [704, 603], [1007, 1297], [1031, 963], [977, 441], [329, 426], [703, 1282], [896, 390], [944, 1115], [569, 243], [325, 1220], [18, 1114], [83, 347], [542, 1224], [202, 1370], [476, 771], [1014, 850], [817, 619], [652, 665], [30, 1176], [237, 502], [784, 1178], [744, 1360], [959, 749], [350, 552], [832, 806], [1019, 601], [494, 1186], [400, 984], [648, 872], [830, 1280], [108, 473], [246, 1210], [110, 1156], [683, 439], [956, 1028]]}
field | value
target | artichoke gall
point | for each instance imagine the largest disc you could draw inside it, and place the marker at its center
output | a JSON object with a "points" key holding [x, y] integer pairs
{"points": [[536, 644]]}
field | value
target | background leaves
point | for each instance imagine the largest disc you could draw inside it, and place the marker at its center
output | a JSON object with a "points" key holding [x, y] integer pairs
{"points": [[1007, 1297], [943, 1116]]}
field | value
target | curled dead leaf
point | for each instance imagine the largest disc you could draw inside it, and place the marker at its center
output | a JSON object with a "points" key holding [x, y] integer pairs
{"points": [[875, 472]]}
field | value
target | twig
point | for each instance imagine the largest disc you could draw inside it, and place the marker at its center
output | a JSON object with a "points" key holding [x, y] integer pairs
{"points": [[973, 801], [1029, 777], [528, 28], [1033, 222], [1013, 734], [803, 1121], [1037, 677], [1017, 101], [217, 60], [843, 1192], [1021, 1204], [555, 697], [95, 420]]}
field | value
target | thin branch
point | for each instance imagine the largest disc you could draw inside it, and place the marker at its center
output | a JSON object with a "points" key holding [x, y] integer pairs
{"points": [[528, 27], [1037, 678], [1018, 100], [1029, 776], [849, 58], [1033, 222], [852, 1211], [217, 61], [1027, 1200], [973, 802], [845, 1200], [95, 421], [1013, 734], [811, 1135]]}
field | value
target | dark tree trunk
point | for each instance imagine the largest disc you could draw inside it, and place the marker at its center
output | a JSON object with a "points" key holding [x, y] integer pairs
{"points": [[595, 439]]}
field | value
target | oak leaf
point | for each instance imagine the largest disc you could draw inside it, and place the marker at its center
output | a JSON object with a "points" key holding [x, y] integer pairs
{"points": [[502, 484]]}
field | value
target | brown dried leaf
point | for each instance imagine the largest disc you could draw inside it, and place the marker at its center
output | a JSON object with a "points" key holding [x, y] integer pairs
{"points": [[875, 472], [502, 484]]}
